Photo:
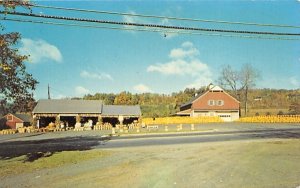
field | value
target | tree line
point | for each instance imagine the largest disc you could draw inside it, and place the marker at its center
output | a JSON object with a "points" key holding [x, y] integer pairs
{"points": [[161, 105]]}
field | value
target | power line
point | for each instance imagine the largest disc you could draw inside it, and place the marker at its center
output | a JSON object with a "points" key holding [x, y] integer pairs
{"points": [[148, 25], [147, 30], [167, 17]]}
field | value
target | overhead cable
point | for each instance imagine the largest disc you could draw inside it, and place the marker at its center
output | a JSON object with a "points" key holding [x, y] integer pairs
{"points": [[166, 17], [149, 25], [148, 30]]}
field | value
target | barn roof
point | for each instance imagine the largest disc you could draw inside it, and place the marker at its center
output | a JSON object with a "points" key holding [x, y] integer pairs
{"points": [[121, 110], [68, 106], [24, 117], [211, 89]]}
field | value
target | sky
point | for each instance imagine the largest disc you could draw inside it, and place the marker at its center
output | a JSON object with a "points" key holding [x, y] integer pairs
{"points": [[76, 61]]}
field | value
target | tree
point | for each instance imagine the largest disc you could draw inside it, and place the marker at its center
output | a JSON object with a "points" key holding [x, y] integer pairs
{"points": [[239, 81], [16, 85], [124, 98], [248, 76], [10, 5], [229, 78], [294, 108]]}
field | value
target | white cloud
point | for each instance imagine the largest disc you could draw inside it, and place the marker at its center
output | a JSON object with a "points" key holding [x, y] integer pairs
{"points": [[187, 50], [294, 81], [180, 67], [187, 44], [141, 88], [185, 62], [81, 90], [40, 50], [92, 75]]}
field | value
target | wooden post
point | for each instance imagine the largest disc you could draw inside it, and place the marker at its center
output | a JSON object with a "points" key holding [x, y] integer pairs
{"points": [[57, 121], [192, 127], [100, 120], [121, 119], [166, 128]]}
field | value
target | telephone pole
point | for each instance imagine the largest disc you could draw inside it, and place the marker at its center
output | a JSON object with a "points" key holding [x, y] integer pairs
{"points": [[49, 92]]}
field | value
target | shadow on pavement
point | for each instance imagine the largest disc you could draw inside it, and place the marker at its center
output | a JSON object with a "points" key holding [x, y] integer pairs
{"points": [[35, 149]]}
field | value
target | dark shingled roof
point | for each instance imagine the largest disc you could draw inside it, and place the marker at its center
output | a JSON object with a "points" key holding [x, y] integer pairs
{"points": [[23, 117], [68, 106], [121, 110], [191, 101]]}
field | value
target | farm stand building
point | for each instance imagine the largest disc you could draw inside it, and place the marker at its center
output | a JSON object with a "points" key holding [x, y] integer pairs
{"points": [[15, 121], [214, 102], [49, 110]]}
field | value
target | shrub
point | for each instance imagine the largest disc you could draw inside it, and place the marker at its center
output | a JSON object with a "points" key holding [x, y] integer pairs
{"points": [[280, 113]]}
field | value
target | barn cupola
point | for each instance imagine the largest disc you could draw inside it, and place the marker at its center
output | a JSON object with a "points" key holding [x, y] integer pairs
{"points": [[213, 88]]}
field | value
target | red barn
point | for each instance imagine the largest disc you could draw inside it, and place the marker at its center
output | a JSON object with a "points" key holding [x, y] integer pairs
{"points": [[214, 102], [15, 121]]}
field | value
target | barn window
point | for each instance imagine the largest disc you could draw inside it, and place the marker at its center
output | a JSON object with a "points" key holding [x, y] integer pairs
{"points": [[220, 102], [211, 102], [9, 118]]}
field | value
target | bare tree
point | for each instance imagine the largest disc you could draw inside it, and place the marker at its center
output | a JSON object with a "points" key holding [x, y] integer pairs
{"points": [[239, 81], [248, 76], [229, 79]]}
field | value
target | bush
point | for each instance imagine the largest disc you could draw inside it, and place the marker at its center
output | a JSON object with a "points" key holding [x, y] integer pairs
{"points": [[268, 113], [256, 114], [3, 124], [280, 113]]}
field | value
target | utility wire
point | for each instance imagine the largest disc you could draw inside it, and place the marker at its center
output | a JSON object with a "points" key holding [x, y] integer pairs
{"points": [[166, 17], [148, 25], [146, 30]]}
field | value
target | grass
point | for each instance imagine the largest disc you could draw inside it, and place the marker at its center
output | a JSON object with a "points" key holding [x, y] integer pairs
{"points": [[17, 165]]}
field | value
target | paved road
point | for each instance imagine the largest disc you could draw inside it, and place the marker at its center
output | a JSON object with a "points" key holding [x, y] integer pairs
{"points": [[31, 144], [186, 138]]}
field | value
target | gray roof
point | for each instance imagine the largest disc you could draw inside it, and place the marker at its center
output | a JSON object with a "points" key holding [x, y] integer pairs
{"points": [[23, 117], [191, 101], [121, 110], [68, 106]]}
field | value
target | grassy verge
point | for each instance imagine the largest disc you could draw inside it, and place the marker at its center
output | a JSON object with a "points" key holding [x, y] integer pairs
{"points": [[17, 165]]}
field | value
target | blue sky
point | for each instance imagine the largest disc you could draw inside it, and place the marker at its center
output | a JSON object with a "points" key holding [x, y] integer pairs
{"points": [[76, 61]]}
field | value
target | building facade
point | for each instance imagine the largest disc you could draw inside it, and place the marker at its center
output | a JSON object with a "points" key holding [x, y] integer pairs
{"points": [[214, 102], [15, 121], [72, 111]]}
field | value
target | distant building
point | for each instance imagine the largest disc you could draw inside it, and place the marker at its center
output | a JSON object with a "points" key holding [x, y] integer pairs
{"points": [[258, 99], [214, 102], [15, 121], [48, 110]]}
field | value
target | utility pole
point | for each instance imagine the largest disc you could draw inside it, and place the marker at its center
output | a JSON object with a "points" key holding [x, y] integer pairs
{"points": [[49, 92]]}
